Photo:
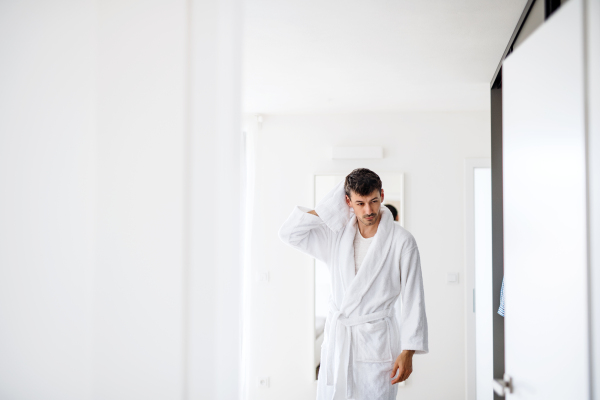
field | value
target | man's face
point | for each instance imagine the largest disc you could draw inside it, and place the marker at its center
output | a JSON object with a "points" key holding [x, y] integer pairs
{"points": [[366, 208]]}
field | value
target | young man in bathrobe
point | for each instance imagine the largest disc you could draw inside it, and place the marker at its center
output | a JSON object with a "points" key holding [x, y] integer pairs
{"points": [[371, 261]]}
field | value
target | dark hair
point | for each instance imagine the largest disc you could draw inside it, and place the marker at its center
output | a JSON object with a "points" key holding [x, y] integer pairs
{"points": [[362, 181], [393, 210]]}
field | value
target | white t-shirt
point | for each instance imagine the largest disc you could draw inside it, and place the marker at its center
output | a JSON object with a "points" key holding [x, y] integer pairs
{"points": [[361, 245]]}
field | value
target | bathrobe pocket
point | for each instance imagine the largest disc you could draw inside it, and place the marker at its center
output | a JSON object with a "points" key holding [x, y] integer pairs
{"points": [[372, 342]]}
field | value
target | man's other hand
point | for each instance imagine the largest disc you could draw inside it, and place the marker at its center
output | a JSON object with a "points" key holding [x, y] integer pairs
{"points": [[403, 366]]}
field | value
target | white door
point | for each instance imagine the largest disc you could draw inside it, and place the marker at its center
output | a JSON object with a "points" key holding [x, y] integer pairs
{"points": [[545, 283]]}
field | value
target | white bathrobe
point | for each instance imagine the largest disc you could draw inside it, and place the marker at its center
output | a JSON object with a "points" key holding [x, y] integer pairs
{"points": [[362, 335]]}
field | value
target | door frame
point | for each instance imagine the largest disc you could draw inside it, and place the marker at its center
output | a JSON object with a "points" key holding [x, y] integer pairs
{"points": [[470, 365]]}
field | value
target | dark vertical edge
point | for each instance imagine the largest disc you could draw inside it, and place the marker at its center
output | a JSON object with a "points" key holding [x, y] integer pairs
{"points": [[550, 6], [590, 144], [497, 226], [547, 8], [515, 34]]}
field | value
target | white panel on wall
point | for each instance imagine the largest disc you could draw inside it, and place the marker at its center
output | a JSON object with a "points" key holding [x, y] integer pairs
{"points": [[356, 153]]}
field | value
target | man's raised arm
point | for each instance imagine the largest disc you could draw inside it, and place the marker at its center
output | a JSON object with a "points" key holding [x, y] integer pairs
{"points": [[305, 231], [312, 231]]}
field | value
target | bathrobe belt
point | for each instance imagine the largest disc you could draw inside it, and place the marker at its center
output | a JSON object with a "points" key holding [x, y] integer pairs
{"points": [[343, 337]]}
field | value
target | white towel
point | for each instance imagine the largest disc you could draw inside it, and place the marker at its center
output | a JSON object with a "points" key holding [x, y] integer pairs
{"points": [[333, 209]]}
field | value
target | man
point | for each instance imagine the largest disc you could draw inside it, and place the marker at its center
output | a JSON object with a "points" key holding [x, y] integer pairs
{"points": [[371, 262]]}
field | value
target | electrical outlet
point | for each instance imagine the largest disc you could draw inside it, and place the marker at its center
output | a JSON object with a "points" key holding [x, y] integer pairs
{"points": [[263, 382]]}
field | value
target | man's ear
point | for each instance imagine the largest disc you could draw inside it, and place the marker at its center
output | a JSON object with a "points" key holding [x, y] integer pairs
{"points": [[348, 201], [382, 195]]}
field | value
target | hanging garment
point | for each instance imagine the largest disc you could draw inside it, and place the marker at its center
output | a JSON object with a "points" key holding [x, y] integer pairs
{"points": [[501, 309], [362, 335]]}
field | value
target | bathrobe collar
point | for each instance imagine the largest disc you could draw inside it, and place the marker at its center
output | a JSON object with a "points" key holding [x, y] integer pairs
{"points": [[356, 284]]}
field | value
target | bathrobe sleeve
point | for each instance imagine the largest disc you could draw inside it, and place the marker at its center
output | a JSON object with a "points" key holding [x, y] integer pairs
{"points": [[413, 326], [313, 234], [307, 233]]}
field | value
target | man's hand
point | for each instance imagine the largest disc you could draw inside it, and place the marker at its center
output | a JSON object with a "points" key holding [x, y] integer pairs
{"points": [[402, 365]]}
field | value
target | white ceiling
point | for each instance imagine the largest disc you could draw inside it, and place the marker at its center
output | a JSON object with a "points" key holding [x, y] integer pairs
{"points": [[305, 56]]}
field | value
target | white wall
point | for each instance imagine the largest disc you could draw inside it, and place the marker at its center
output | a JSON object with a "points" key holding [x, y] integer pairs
{"points": [[47, 184], [119, 123], [138, 331], [430, 149]]}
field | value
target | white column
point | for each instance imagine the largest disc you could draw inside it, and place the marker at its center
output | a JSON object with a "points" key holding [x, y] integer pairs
{"points": [[168, 280], [214, 266]]}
